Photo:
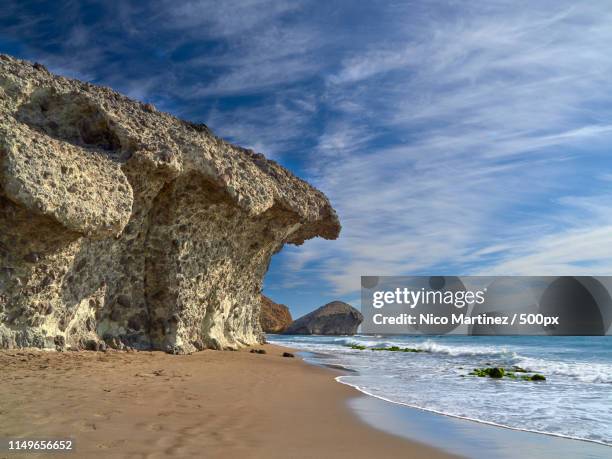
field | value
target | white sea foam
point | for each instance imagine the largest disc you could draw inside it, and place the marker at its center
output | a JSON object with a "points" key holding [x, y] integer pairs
{"points": [[579, 371], [573, 402], [429, 346], [342, 380]]}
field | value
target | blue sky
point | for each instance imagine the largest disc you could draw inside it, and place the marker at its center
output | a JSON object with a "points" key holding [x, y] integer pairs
{"points": [[453, 137]]}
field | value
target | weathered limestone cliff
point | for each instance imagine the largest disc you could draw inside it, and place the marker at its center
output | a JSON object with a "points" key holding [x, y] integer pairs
{"points": [[124, 226]]}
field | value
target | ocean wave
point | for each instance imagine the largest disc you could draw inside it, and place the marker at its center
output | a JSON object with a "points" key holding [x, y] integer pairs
{"points": [[465, 351], [434, 376], [598, 373], [357, 341], [432, 347], [343, 380]]}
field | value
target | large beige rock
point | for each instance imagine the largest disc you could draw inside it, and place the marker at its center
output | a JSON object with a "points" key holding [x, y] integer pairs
{"points": [[335, 318], [122, 224]]}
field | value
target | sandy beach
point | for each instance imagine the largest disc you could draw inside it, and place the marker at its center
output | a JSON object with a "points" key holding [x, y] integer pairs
{"points": [[208, 404]]}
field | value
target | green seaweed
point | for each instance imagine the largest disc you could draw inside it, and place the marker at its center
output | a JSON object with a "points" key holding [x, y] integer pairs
{"points": [[496, 372], [391, 349], [499, 373], [357, 346], [492, 372], [397, 349]]}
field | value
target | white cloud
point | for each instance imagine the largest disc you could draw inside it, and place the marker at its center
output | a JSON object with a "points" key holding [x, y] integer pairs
{"points": [[461, 141], [452, 137], [228, 18], [271, 127]]}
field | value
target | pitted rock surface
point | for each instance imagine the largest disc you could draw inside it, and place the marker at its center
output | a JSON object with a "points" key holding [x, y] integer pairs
{"points": [[127, 227]]}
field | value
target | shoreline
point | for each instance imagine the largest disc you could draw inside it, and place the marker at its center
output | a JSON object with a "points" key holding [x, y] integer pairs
{"points": [[467, 419], [469, 435], [151, 404], [470, 438]]}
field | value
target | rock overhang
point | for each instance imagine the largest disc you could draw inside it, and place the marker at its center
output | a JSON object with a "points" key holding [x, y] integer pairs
{"points": [[100, 175], [121, 128]]}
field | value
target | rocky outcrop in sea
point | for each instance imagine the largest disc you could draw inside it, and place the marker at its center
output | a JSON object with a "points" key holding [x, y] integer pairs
{"points": [[335, 318], [274, 317], [124, 226]]}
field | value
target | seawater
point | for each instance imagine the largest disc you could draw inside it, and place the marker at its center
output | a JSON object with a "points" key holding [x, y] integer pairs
{"points": [[574, 402]]}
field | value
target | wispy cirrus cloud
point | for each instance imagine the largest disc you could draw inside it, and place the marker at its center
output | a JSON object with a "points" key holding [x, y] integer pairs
{"points": [[452, 137], [471, 130]]}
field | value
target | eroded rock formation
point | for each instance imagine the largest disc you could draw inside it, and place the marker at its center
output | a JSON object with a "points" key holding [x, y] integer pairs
{"points": [[274, 317], [335, 318], [124, 226]]}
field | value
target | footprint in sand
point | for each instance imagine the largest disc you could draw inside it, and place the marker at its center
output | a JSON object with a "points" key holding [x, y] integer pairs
{"points": [[155, 427], [85, 426], [112, 444]]}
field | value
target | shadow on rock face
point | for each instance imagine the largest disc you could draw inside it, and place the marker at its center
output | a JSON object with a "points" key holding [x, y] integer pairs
{"points": [[70, 117]]}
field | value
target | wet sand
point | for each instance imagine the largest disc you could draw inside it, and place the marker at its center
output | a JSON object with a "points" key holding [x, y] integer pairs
{"points": [[470, 438], [209, 404]]}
